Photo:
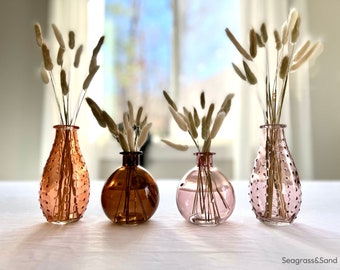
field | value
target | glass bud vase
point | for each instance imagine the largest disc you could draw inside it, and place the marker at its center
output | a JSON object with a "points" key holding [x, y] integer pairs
{"points": [[205, 196], [275, 191], [65, 185], [130, 195]]}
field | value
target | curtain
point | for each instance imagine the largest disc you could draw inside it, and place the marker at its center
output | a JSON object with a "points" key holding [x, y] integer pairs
{"points": [[88, 27], [296, 112]]}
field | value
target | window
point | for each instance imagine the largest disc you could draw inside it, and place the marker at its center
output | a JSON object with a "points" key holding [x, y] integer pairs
{"points": [[178, 46]]}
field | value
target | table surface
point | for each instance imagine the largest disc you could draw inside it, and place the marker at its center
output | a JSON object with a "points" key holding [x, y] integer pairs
{"points": [[167, 241]]}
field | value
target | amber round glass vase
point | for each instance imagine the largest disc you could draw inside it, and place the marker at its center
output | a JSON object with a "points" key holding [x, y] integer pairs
{"points": [[205, 196], [130, 195], [275, 191], [65, 185]]}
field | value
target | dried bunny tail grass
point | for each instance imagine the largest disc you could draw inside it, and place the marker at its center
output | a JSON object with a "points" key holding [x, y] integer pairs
{"points": [[302, 51], [130, 138], [143, 135], [310, 52], [209, 115], [259, 40], [251, 78], [252, 43], [126, 122], [292, 18], [38, 34], [46, 57], [139, 116], [277, 40], [77, 56], [179, 119], [169, 100], [112, 126], [238, 45], [71, 40], [44, 75], [63, 82], [264, 33], [89, 78], [204, 128], [58, 36], [96, 111], [284, 67], [95, 52], [122, 141], [60, 56], [296, 31], [179, 147], [196, 118], [226, 105], [131, 113], [239, 72], [217, 124], [284, 34], [192, 126], [202, 100], [143, 123]]}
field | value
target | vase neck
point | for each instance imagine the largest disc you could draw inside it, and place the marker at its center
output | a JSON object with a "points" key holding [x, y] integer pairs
{"points": [[204, 159], [131, 158]]}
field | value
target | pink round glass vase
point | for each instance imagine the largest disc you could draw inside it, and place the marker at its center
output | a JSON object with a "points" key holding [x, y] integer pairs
{"points": [[205, 196]]}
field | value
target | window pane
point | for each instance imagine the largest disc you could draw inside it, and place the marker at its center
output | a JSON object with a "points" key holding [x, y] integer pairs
{"points": [[146, 38]]}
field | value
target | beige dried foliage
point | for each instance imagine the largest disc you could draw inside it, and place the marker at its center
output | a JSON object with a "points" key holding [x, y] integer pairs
{"points": [[238, 45], [264, 34], [44, 75], [63, 82], [192, 123], [47, 57], [277, 40], [284, 67], [144, 135], [89, 78], [176, 146], [77, 56], [252, 43], [60, 56], [239, 72], [71, 39], [38, 34], [169, 100], [58, 36], [251, 78]]}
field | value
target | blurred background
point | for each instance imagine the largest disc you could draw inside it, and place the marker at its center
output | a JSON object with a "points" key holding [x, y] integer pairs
{"points": [[173, 45]]}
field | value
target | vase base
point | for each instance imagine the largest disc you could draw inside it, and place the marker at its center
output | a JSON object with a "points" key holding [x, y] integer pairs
{"points": [[63, 222], [204, 221], [131, 219], [275, 222]]}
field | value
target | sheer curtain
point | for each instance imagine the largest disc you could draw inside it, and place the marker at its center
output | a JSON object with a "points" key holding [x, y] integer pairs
{"points": [[88, 27], [297, 112]]}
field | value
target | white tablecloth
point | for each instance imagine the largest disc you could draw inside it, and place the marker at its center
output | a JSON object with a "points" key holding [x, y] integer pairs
{"points": [[166, 241]]}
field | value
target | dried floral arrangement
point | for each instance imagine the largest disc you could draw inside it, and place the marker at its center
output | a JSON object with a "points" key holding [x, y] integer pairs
{"points": [[133, 132], [189, 121], [63, 72], [288, 60]]}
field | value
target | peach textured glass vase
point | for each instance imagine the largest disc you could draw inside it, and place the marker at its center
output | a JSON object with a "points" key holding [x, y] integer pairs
{"points": [[275, 191], [205, 196], [65, 185], [130, 195]]}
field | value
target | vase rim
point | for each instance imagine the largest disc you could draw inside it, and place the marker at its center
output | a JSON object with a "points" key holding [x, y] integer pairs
{"points": [[131, 152], [204, 153], [66, 126], [273, 126]]}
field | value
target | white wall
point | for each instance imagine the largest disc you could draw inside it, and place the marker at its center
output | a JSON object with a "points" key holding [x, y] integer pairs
{"points": [[324, 21], [20, 88]]}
